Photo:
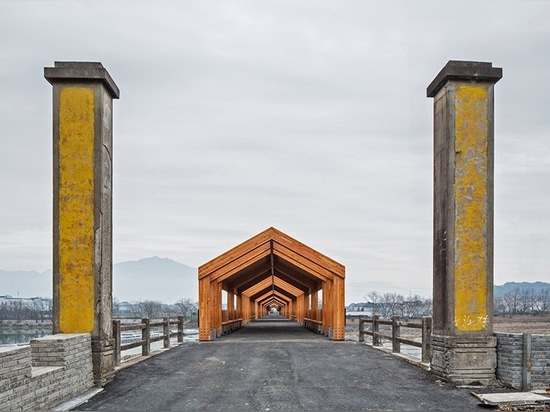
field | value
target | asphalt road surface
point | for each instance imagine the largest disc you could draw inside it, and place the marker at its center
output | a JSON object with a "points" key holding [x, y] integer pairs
{"points": [[276, 365]]}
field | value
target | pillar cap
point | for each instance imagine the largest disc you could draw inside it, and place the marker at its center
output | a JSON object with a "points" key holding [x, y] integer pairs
{"points": [[464, 70], [81, 71]]}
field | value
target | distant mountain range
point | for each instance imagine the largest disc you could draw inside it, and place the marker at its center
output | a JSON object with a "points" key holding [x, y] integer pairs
{"points": [[26, 284], [510, 287], [159, 279], [153, 278]]}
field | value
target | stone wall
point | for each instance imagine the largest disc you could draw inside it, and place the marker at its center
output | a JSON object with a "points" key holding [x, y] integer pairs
{"points": [[510, 365], [51, 370]]}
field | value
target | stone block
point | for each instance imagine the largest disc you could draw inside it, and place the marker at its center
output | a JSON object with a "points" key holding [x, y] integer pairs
{"points": [[464, 360]]}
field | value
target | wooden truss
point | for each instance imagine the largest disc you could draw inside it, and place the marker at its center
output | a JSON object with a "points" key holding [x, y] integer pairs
{"points": [[272, 270]]}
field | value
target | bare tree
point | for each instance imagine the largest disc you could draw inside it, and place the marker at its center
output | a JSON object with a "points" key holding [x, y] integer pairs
{"points": [[185, 307], [151, 309], [373, 297], [40, 309], [388, 304]]}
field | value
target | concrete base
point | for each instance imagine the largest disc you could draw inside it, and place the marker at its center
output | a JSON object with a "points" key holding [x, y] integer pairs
{"points": [[464, 360], [103, 360]]}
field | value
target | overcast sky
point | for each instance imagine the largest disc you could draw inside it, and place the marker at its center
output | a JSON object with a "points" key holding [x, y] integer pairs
{"points": [[309, 116]]}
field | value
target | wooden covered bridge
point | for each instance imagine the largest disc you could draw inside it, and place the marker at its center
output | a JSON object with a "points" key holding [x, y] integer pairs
{"points": [[271, 270]]}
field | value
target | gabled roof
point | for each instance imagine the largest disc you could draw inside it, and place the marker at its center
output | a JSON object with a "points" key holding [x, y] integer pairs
{"points": [[271, 260]]}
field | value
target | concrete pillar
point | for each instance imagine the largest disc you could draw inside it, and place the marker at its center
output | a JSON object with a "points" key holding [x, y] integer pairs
{"points": [[82, 206], [463, 345]]}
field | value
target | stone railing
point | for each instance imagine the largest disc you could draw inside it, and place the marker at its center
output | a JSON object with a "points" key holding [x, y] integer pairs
{"points": [[522, 360], [45, 373]]}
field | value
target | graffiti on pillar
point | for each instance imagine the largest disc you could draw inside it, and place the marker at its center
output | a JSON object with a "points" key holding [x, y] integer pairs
{"points": [[468, 322]]}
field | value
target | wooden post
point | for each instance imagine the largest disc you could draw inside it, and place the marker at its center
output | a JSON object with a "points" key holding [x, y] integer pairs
{"points": [[239, 309], [314, 304], [230, 305], [396, 333], [205, 307], [375, 331], [146, 337], [118, 341], [361, 329], [426, 338], [166, 332], [180, 328], [339, 309], [218, 309]]}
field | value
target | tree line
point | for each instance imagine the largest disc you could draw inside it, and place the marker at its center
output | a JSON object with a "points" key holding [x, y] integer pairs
{"points": [[153, 309], [17, 309], [388, 304], [520, 301]]}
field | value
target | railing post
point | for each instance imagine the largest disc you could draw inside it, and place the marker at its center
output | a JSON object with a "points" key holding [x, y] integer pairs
{"points": [[166, 332], [180, 329], [395, 334], [146, 337], [426, 338], [375, 331], [118, 337], [361, 329]]}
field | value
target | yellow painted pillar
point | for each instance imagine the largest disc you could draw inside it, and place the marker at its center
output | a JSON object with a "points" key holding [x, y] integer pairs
{"points": [[463, 345], [83, 96]]}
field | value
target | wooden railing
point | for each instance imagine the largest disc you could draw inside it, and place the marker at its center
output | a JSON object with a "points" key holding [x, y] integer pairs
{"points": [[144, 338], [396, 324]]}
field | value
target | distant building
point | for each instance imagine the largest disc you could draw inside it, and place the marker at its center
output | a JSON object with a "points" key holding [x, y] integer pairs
{"points": [[359, 309], [10, 301]]}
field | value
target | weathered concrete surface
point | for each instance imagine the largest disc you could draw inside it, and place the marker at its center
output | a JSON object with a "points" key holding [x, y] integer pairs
{"points": [[275, 364], [463, 348], [83, 94]]}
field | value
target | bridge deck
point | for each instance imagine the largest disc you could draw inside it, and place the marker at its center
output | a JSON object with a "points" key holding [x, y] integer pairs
{"points": [[275, 364]]}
